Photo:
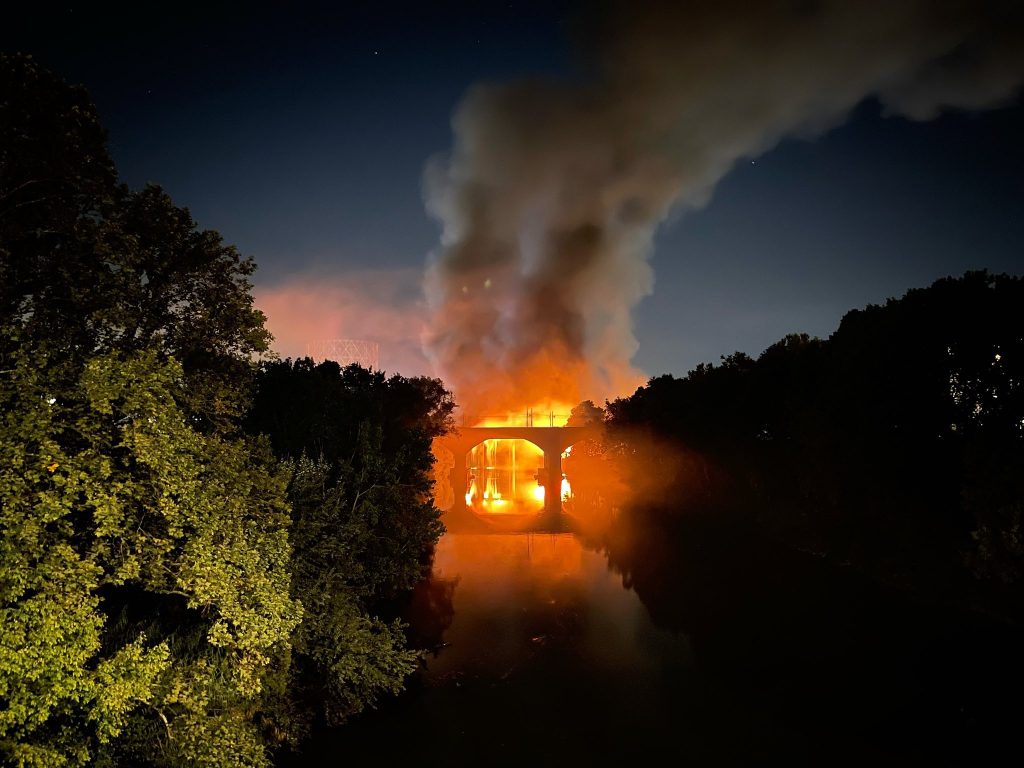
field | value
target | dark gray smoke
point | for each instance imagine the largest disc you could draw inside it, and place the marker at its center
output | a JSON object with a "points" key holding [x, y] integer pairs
{"points": [[553, 191]]}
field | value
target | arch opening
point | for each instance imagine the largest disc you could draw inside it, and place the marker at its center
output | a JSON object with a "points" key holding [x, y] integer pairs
{"points": [[506, 470], [505, 476]]}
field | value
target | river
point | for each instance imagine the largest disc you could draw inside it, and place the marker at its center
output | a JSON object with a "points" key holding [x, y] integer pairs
{"points": [[706, 648]]}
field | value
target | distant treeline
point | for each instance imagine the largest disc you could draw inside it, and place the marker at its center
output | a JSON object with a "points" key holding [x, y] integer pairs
{"points": [[196, 540], [895, 446]]}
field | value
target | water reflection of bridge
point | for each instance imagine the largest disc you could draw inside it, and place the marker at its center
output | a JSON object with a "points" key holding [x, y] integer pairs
{"points": [[552, 441]]}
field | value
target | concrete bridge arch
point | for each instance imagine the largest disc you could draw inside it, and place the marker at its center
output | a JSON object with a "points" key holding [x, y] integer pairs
{"points": [[552, 441]]}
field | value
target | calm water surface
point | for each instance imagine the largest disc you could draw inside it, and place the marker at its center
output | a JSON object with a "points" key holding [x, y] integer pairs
{"points": [[720, 651]]}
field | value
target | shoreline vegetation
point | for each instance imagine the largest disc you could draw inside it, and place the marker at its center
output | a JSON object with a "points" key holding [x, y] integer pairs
{"points": [[197, 540], [894, 447]]}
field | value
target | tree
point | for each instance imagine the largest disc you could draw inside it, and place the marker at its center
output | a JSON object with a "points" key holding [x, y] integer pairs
{"points": [[345, 659], [364, 521], [373, 434], [149, 591], [896, 444], [144, 552], [144, 579], [90, 267]]}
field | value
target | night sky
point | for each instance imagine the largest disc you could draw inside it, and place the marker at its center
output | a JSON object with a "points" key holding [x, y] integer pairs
{"points": [[302, 138]]}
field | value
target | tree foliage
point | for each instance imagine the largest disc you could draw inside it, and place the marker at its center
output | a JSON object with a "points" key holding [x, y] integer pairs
{"points": [[113, 502], [154, 557], [886, 445], [88, 266], [364, 519]]}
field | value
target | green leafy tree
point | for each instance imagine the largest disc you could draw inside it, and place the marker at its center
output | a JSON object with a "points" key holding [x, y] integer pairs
{"points": [[150, 616], [372, 437], [345, 660], [89, 267], [144, 552], [112, 500], [364, 521]]}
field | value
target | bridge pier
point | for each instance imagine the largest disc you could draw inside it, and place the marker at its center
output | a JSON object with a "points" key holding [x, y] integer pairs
{"points": [[553, 477], [458, 480]]}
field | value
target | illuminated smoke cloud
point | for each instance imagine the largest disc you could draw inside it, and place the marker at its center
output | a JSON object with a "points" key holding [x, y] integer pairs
{"points": [[551, 196]]}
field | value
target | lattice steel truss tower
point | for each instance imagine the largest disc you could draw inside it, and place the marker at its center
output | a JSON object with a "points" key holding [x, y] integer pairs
{"points": [[345, 352]]}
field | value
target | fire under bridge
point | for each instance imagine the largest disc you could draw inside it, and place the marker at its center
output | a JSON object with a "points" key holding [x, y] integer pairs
{"points": [[553, 441]]}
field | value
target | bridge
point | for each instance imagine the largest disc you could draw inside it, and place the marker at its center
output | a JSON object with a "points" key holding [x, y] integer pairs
{"points": [[553, 441]]}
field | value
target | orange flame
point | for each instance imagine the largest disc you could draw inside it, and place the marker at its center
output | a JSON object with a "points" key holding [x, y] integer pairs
{"points": [[504, 476], [550, 413]]}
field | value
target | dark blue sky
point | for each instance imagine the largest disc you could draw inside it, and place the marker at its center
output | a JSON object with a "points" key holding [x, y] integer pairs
{"points": [[302, 139]]}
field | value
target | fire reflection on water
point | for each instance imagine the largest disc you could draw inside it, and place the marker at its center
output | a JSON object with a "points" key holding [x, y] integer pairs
{"points": [[522, 597]]}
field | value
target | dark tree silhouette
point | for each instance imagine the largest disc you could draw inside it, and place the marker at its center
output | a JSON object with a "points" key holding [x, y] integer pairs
{"points": [[896, 444]]}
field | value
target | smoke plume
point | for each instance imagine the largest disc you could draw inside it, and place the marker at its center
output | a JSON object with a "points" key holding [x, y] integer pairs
{"points": [[552, 193]]}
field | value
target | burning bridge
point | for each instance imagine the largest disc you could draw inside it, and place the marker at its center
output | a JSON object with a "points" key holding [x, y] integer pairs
{"points": [[553, 441]]}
